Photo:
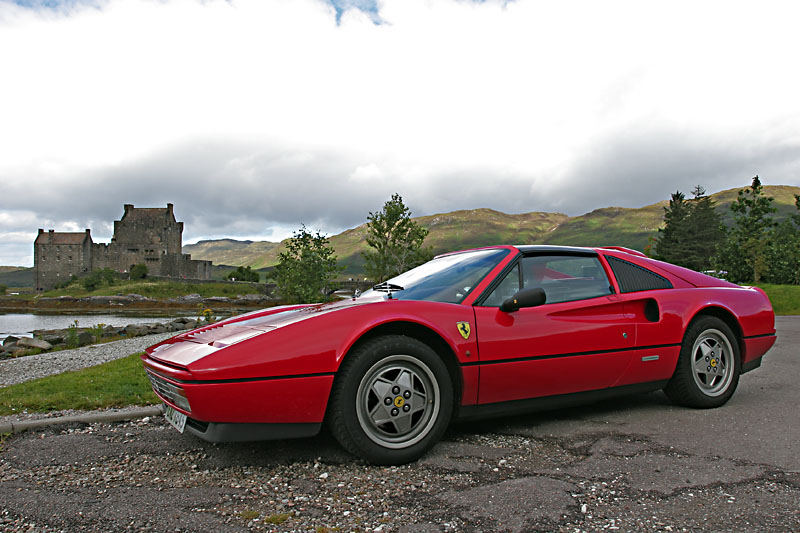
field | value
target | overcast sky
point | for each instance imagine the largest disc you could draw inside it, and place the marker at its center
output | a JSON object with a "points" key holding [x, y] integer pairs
{"points": [[254, 116]]}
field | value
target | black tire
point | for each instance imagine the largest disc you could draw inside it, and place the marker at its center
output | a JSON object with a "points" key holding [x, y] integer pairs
{"points": [[708, 366], [391, 401]]}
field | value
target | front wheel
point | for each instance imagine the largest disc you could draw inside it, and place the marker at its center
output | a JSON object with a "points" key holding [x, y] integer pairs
{"points": [[708, 367], [391, 401]]}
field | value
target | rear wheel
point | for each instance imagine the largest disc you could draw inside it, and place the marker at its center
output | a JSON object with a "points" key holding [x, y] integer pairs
{"points": [[708, 367], [392, 400]]}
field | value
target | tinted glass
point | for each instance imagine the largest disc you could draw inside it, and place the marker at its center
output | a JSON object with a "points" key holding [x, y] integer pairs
{"points": [[446, 279]]}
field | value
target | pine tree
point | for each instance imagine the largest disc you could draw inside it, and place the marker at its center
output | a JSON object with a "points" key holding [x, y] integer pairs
{"points": [[671, 241], [395, 241], [705, 231]]}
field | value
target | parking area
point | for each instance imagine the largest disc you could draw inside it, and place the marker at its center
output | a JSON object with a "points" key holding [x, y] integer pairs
{"points": [[632, 464]]}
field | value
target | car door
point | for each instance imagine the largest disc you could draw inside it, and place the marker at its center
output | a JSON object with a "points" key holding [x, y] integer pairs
{"points": [[578, 340]]}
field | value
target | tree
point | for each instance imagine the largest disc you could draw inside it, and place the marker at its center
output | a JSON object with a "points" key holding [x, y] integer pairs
{"points": [[139, 271], [395, 241], [307, 267], [744, 254], [692, 231], [243, 274], [671, 241], [706, 231]]}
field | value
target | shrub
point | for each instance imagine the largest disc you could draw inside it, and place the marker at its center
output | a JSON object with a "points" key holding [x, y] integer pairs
{"points": [[3, 289], [139, 271]]}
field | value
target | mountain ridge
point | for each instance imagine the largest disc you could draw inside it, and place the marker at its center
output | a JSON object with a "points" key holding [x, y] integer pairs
{"points": [[470, 228]]}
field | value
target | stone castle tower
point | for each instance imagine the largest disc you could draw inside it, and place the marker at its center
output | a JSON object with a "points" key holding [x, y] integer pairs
{"points": [[149, 236]]}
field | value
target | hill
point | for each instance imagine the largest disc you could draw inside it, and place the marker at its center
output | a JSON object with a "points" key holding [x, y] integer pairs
{"points": [[631, 227], [12, 276]]}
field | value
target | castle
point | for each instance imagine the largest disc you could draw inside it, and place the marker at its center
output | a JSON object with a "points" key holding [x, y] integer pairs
{"points": [[149, 236]]}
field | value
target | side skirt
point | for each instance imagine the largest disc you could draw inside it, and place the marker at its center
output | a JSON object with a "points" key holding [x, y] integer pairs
{"points": [[490, 410]]}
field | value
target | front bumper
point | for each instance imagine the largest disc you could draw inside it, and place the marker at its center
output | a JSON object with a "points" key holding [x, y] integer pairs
{"points": [[274, 401]]}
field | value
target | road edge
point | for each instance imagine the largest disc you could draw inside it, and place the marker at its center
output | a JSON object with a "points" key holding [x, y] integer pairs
{"points": [[86, 418]]}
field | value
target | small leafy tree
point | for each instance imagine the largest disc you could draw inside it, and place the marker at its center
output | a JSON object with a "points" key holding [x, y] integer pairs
{"points": [[744, 255], [307, 267], [3, 289], [243, 274], [395, 241], [139, 271]]}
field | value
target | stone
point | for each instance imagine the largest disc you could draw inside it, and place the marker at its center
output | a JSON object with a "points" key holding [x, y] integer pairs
{"points": [[53, 338], [84, 338], [10, 340], [190, 298], [135, 330], [14, 350], [26, 342], [158, 328], [192, 324]]}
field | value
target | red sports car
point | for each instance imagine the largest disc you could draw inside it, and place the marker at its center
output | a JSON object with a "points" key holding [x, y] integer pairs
{"points": [[476, 333]]}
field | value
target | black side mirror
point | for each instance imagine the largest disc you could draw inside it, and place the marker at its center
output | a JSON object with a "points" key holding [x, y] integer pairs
{"points": [[524, 298]]}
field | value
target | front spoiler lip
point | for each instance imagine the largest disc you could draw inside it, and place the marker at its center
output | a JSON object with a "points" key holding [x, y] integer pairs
{"points": [[246, 432]]}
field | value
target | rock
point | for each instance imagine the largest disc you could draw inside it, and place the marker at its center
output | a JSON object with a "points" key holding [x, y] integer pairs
{"points": [[191, 324], [135, 330], [25, 342], [10, 340], [14, 350], [158, 328], [84, 338], [218, 299], [53, 338], [174, 326], [191, 298]]}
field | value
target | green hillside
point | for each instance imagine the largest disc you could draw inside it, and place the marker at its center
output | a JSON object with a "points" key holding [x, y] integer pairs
{"points": [[631, 227], [11, 276]]}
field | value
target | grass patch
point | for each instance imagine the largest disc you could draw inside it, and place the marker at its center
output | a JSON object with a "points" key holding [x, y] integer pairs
{"points": [[277, 518], [114, 384], [785, 298], [157, 289]]}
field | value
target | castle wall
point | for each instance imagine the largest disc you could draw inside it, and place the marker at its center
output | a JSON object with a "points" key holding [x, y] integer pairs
{"points": [[149, 236]]}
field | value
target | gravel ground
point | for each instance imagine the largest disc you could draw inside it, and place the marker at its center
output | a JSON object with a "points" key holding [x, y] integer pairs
{"points": [[635, 463], [145, 476], [45, 364]]}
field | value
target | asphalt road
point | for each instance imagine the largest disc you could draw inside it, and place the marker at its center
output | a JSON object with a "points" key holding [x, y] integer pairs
{"points": [[630, 464]]}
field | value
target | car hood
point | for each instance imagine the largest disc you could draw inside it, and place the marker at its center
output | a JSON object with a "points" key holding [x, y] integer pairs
{"points": [[188, 347]]}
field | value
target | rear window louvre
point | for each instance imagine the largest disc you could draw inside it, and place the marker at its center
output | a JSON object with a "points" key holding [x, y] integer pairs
{"points": [[633, 278]]}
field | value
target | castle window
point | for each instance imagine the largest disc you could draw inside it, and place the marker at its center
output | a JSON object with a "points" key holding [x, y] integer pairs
{"points": [[133, 250]]}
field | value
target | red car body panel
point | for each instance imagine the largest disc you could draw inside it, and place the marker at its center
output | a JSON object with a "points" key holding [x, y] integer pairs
{"points": [[278, 365]]}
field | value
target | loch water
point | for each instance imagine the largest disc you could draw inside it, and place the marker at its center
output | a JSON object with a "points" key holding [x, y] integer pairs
{"points": [[23, 324]]}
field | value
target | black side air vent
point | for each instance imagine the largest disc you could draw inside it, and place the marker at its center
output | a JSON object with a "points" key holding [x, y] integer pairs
{"points": [[633, 278]]}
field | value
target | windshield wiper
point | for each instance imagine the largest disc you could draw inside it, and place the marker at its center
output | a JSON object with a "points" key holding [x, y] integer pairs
{"points": [[387, 287]]}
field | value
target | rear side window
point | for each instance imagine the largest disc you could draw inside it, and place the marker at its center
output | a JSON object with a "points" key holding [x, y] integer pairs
{"points": [[633, 278]]}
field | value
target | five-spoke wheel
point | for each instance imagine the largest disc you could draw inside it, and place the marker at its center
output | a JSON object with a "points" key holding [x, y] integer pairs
{"points": [[392, 400], [708, 367]]}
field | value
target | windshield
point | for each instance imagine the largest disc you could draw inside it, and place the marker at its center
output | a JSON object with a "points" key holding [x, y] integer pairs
{"points": [[445, 279]]}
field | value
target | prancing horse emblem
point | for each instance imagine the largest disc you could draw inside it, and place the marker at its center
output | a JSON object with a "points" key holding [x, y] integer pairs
{"points": [[463, 328]]}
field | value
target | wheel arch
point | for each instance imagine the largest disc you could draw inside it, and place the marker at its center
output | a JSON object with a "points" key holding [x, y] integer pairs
{"points": [[421, 333], [728, 318]]}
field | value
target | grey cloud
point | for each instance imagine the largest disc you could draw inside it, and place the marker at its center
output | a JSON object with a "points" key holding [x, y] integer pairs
{"points": [[239, 189]]}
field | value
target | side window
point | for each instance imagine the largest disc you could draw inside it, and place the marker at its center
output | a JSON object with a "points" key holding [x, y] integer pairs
{"points": [[565, 278], [633, 278], [507, 288]]}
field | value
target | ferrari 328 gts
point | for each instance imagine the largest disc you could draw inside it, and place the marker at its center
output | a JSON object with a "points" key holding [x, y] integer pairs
{"points": [[477, 333]]}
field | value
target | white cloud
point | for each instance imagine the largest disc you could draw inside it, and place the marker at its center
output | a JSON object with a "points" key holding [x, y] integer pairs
{"points": [[254, 115]]}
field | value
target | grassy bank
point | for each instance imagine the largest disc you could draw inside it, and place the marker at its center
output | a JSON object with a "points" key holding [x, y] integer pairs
{"points": [[785, 298], [114, 384], [158, 289]]}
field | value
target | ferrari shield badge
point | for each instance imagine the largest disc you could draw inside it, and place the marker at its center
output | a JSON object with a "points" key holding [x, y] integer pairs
{"points": [[464, 329]]}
